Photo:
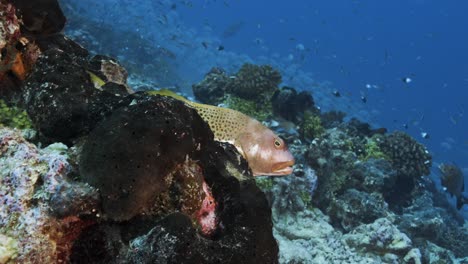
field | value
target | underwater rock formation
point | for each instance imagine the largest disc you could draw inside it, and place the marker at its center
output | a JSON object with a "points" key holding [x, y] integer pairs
{"points": [[411, 159], [42, 210], [40, 17], [291, 105], [60, 96], [213, 88], [255, 82], [383, 238], [151, 160]]}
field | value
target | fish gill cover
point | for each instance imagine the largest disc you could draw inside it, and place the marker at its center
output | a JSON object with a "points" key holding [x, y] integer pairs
{"points": [[99, 165]]}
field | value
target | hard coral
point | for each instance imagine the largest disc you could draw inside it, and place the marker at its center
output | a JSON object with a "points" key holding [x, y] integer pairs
{"points": [[30, 179], [255, 82], [410, 158], [291, 105], [212, 89]]}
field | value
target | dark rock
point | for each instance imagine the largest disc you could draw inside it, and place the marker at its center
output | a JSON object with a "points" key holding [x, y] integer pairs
{"points": [[375, 175], [212, 89], [74, 199], [60, 97], [40, 17], [128, 155], [291, 105], [332, 119], [145, 155], [355, 208]]}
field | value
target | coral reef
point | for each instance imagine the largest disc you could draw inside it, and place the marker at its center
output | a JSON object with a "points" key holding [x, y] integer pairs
{"points": [[311, 126], [380, 237], [213, 88], [260, 112], [60, 96], [34, 183], [254, 82], [411, 159], [332, 118], [291, 105]]}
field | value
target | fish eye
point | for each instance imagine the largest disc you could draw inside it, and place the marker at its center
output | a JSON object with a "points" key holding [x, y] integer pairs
{"points": [[278, 143]]}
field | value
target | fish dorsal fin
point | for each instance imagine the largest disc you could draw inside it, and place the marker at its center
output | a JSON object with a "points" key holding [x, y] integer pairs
{"points": [[169, 93]]}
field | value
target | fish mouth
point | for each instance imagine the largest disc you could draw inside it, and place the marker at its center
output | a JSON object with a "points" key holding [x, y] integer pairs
{"points": [[283, 168]]}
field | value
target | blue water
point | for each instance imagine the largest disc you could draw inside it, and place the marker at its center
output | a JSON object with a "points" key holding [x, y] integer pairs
{"points": [[355, 43], [363, 48]]}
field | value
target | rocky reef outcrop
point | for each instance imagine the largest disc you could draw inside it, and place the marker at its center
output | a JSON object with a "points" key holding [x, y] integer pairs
{"points": [[141, 169]]}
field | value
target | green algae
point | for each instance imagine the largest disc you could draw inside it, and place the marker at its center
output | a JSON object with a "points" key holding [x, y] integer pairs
{"points": [[258, 111], [264, 183], [12, 116], [373, 151], [311, 126]]}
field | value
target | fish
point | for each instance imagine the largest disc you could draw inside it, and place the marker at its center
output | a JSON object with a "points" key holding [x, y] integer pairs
{"points": [[336, 93], [454, 182], [425, 135], [406, 80], [266, 153]]}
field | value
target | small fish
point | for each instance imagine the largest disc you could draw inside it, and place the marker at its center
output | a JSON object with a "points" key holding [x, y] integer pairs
{"points": [[220, 47], [266, 153], [336, 93], [453, 181], [406, 80], [425, 135], [405, 126], [204, 44], [363, 99]]}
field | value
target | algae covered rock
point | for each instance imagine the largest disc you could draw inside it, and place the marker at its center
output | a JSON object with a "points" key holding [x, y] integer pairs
{"points": [[254, 82], [60, 96], [155, 162], [291, 105], [410, 158], [128, 155], [213, 88], [40, 212]]}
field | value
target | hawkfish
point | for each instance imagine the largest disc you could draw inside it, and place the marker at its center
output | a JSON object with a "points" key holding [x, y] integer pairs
{"points": [[266, 153]]}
